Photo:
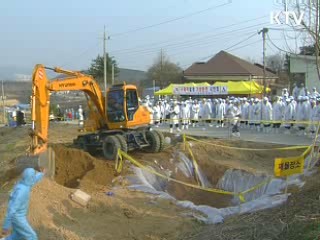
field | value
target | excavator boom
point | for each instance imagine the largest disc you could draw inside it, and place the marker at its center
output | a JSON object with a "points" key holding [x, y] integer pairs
{"points": [[40, 100]]}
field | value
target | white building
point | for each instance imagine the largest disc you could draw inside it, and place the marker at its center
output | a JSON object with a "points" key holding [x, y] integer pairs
{"points": [[305, 68]]}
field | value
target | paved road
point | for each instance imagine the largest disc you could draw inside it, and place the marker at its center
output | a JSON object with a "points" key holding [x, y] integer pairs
{"points": [[247, 135]]}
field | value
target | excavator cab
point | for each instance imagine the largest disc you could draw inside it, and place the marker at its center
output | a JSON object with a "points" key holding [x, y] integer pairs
{"points": [[123, 109]]}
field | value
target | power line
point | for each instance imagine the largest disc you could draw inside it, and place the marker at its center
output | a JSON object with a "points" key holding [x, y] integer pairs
{"points": [[187, 35], [268, 36], [172, 20], [249, 44], [288, 29], [179, 48], [191, 42], [241, 41], [152, 44]]}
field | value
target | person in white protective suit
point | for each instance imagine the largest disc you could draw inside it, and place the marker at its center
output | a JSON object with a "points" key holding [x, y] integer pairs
{"points": [[214, 105], [314, 94], [18, 206], [244, 112], [316, 116], [162, 112], [235, 114], [150, 110], [266, 115], [157, 114], [302, 113], [289, 115], [166, 110], [81, 118], [297, 112], [228, 104], [295, 91], [313, 117], [207, 111], [189, 105], [227, 114], [257, 114], [285, 93], [174, 116], [251, 116], [278, 114], [195, 109], [220, 110], [185, 113], [302, 90], [201, 110]]}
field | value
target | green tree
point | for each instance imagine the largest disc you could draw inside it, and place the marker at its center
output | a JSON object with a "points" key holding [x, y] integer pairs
{"points": [[97, 68], [164, 72]]}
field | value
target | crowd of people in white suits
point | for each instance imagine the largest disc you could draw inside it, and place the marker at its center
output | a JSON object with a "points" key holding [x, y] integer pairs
{"points": [[298, 112]]}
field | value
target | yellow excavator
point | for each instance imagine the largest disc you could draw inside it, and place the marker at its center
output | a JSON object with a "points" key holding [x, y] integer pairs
{"points": [[117, 120]]}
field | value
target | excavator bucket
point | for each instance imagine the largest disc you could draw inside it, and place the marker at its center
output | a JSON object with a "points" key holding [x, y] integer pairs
{"points": [[45, 160]]}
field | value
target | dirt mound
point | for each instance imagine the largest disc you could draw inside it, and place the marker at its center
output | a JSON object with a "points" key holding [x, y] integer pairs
{"points": [[126, 215], [78, 169]]}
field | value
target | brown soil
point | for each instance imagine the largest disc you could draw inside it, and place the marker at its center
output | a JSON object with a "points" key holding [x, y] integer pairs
{"points": [[126, 215], [133, 215]]}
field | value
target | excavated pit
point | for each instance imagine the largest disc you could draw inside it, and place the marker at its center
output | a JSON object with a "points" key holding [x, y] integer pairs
{"points": [[78, 169]]}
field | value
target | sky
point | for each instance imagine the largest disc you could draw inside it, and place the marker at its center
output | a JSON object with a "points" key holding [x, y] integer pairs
{"points": [[69, 33]]}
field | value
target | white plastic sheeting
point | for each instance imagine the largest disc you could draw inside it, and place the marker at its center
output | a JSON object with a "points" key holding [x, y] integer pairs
{"points": [[234, 180], [186, 166], [214, 215]]}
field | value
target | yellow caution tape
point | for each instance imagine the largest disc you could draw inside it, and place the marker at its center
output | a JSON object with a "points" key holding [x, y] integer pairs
{"points": [[119, 166], [306, 152], [246, 149], [195, 164], [312, 148], [256, 186]]}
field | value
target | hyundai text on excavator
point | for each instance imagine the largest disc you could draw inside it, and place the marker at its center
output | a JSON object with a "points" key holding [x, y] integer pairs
{"points": [[117, 120]]}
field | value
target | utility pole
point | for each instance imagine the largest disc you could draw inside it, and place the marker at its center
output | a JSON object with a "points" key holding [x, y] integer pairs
{"points": [[264, 31], [112, 73], [3, 107], [161, 63], [105, 67]]}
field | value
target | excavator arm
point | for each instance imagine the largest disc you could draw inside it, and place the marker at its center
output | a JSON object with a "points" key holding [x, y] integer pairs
{"points": [[40, 101]]}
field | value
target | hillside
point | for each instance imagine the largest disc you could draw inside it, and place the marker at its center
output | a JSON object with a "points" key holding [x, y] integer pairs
{"points": [[18, 90], [131, 76]]}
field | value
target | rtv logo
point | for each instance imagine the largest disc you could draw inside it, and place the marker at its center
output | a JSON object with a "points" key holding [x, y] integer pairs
{"points": [[284, 17]]}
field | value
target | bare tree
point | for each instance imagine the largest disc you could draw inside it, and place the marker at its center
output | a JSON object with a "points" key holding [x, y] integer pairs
{"points": [[164, 72], [275, 62], [310, 24]]}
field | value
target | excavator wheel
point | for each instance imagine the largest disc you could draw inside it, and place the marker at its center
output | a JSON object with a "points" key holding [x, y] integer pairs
{"points": [[154, 141], [123, 143], [162, 142], [110, 147]]}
